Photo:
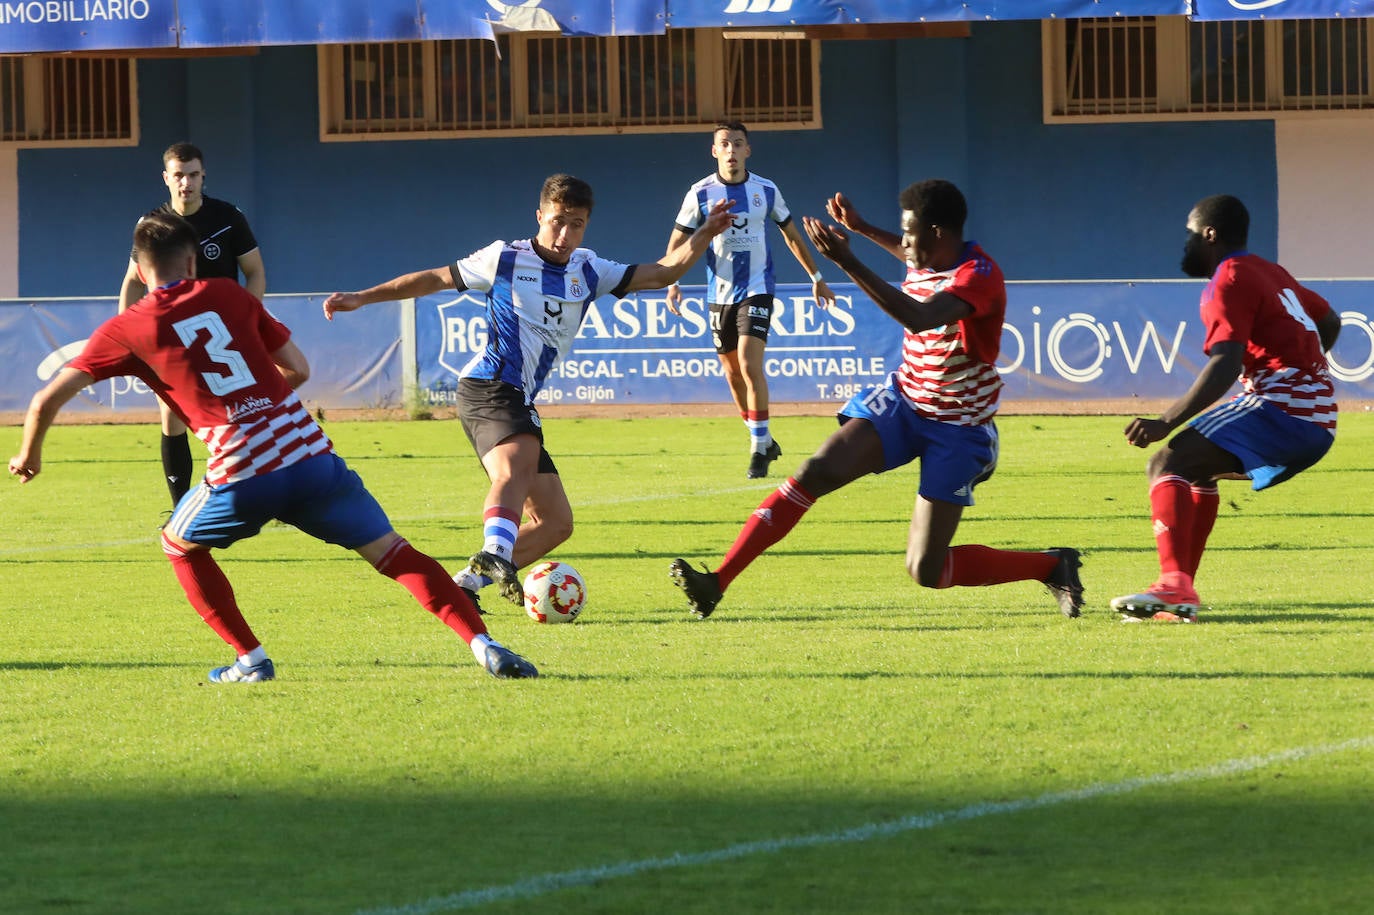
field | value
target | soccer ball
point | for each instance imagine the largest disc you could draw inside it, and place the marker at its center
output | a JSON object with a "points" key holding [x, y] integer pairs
{"points": [[554, 593]]}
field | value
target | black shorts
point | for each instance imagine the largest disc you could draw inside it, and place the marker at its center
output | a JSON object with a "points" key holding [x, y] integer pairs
{"points": [[749, 318], [493, 411]]}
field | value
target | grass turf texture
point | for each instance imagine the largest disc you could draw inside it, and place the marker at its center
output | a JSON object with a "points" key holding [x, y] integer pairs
{"points": [[384, 768]]}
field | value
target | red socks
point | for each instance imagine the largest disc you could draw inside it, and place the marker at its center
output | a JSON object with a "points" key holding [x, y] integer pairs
{"points": [[769, 523], [211, 594], [972, 566], [423, 577], [1206, 500], [1171, 509]]}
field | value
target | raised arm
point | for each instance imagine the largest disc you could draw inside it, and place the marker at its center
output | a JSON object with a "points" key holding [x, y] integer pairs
{"points": [[842, 211], [410, 286], [671, 266], [676, 240], [940, 309]]}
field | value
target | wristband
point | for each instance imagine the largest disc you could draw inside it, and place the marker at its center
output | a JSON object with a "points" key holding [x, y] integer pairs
{"points": [[816, 277]]}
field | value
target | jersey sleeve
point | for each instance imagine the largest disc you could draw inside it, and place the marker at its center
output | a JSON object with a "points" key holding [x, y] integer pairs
{"points": [[1225, 317], [979, 282], [477, 271], [781, 214], [1313, 303], [689, 217], [104, 356], [610, 276], [241, 236]]}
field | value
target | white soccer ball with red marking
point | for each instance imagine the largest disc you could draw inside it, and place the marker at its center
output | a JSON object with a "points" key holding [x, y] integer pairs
{"points": [[554, 593]]}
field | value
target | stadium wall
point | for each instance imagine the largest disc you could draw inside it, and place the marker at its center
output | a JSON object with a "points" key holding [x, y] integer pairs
{"points": [[1049, 201]]}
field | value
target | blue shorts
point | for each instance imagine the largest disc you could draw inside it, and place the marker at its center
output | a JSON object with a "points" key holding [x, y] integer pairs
{"points": [[954, 458], [319, 495], [1270, 445]]}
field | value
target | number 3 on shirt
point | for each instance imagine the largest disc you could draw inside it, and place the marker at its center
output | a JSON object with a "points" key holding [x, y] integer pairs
{"points": [[217, 348]]}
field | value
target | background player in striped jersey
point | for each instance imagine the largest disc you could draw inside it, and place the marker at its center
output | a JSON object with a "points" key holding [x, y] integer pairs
{"points": [[229, 369], [226, 246], [537, 292], [1271, 332], [739, 278], [937, 406]]}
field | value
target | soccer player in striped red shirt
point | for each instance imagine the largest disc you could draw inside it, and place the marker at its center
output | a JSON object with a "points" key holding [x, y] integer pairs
{"points": [[938, 406], [1271, 332], [229, 370]]}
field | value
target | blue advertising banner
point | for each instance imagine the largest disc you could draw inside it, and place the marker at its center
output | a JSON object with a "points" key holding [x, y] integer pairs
{"points": [[1281, 9], [1062, 342], [764, 13], [28, 26], [359, 366], [213, 23]]}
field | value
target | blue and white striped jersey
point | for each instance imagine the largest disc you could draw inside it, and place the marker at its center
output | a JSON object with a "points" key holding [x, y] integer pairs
{"points": [[534, 307], [738, 263]]}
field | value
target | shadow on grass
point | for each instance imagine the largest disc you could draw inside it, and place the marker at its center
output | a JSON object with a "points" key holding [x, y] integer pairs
{"points": [[1251, 844]]}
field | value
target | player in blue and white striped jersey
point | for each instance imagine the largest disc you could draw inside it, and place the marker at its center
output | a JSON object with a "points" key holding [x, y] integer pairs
{"points": [[739, 277], [537, 292]]}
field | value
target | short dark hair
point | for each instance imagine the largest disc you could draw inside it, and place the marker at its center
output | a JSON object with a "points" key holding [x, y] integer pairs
{"points": [[182, 152], [936, 203], [730, 125], [1228, 216], [567, 190], [163, 239]]}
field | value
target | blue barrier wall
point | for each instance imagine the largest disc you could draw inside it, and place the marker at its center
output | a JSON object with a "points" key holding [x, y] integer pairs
{"points": [[1063, 341]]}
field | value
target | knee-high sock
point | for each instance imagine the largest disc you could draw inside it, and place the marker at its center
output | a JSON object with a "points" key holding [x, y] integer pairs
{"points": [[1171, 508], [423, 577], [211, 594], [1206, 501], [769, 523], [500, 528], [177, 465], [759, 436], [971, 565]]}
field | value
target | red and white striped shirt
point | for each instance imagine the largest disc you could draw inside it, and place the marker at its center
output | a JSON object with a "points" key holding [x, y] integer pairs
{"points": [[1256, 302], [949, 373], [205, 347]]}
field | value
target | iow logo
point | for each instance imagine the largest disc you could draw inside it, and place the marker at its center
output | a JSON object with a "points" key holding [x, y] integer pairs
{"points": [[758, 6]]}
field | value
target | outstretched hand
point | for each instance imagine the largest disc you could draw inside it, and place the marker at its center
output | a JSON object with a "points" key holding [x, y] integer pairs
{"points": [[719, 218], [831, 241], [341, 301], [842, 211]]}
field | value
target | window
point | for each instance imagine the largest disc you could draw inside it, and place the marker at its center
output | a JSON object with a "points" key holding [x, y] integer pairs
{"points": [[68, 101], [1156, 68], [531, 84]]}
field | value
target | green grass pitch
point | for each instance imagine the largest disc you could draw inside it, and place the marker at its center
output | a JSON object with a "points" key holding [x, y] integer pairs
{"points": [[834, 739]]}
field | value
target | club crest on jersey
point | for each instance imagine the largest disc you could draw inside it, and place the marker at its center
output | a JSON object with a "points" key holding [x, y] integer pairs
{"points": [[575, 288], [212, 251], [758, 201]]}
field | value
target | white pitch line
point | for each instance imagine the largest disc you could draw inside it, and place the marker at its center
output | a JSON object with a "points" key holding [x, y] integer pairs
{"points": [[543, 884]]}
